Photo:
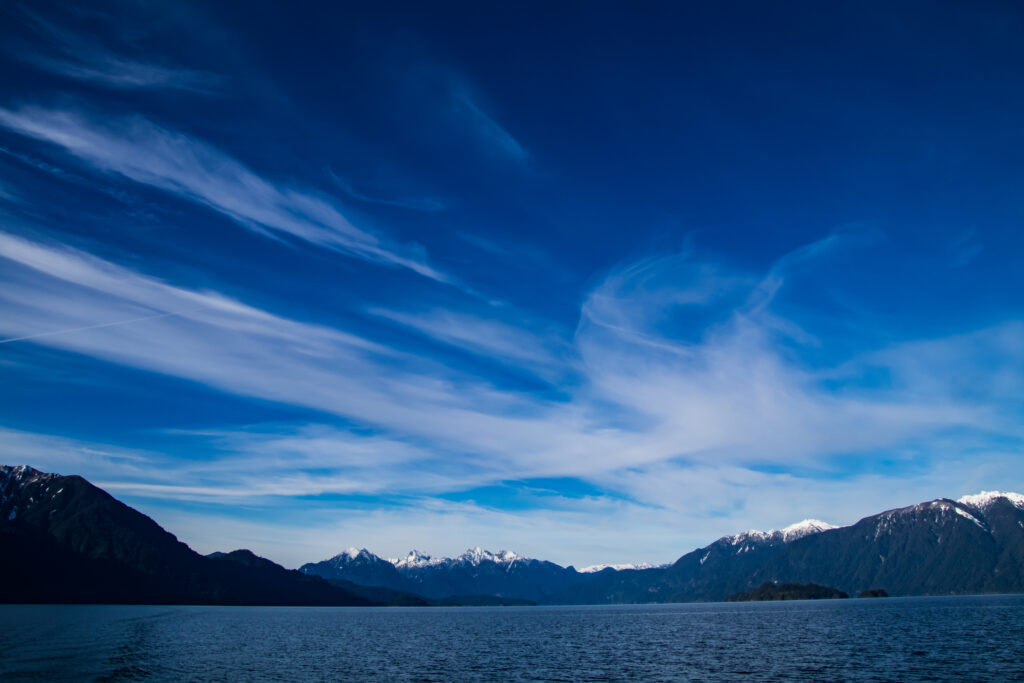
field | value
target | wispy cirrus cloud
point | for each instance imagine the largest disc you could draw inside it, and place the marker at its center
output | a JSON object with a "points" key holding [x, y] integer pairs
{"points": [[715, 420], [97, 65], [70, 55], [489, 131], [71, 456], [544, 355], [459, 112], [731, 395], [964, 249], [735, 388], [218, 342], [700, 504], [427, 204], [145, 153]]}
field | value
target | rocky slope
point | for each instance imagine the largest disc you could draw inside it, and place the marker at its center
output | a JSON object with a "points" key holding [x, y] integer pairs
{"points": [[64, 540], [973, 545]]}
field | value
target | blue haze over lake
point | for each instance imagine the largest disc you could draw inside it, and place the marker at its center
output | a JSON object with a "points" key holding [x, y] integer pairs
{"points": [[909, 639]]}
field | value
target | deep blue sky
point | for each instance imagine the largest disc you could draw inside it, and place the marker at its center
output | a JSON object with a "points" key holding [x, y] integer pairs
{"points": [[597, 282]]}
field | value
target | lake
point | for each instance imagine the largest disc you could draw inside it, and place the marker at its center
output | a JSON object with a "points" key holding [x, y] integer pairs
{"points": [[907, 639]]}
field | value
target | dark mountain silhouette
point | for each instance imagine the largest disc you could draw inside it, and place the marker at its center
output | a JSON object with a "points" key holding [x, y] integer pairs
{"points": [[64, 540], [709, 573], [974, 545]]}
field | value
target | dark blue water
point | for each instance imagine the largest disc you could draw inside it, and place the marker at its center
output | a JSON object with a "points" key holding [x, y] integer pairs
{"points": [[906, 639]]}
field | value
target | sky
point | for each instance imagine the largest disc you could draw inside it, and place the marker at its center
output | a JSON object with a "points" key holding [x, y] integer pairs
{"points": [[594, 282]]}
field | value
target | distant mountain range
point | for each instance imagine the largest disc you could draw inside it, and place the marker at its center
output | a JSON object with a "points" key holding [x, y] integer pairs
{"points": [[64, 540], [475, 572]]}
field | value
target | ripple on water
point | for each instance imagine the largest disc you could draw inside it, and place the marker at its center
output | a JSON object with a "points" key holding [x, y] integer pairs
{"points": [[911, 639]]}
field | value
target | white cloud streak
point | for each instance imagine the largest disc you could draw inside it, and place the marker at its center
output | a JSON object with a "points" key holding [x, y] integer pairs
{"points": [[426, 204], [105, 68], [729, 396], [85, 60], [145, 153], [710, 502], [676, 424], [510, 344], [489, 130]]}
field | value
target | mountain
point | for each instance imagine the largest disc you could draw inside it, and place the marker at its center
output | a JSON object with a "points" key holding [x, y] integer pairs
{"points": [[973, 545], [476, 572], [359, 566], [64, 540], [481, 572], [708, 573]]}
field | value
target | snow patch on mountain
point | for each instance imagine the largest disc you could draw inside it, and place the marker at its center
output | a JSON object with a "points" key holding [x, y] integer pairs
{"points": [[354, 556], [619, 567], [474, 556], [805, 528], [14, 479], [971, 517], [939, 511], [985, 499], [415, 560], [785, 535]]}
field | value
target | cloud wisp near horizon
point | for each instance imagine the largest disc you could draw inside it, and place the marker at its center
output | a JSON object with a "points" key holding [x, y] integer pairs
{"points": [[607, 343], [644, 408]]}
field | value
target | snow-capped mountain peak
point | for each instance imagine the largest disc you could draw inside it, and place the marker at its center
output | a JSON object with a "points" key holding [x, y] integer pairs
{"points": [[983, 500], [748, 539], [804, 528], [475, 556], [356, 553], [353, 556], [20, 477], [414, 560]]}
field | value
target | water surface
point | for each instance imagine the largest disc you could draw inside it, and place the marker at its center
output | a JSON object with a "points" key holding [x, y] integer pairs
{"points": [[906, 639]]}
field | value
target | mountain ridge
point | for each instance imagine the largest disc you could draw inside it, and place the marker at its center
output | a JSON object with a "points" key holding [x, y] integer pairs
{"points": [[66, 540], [504, 573], [934, 547], [62, 539]]}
